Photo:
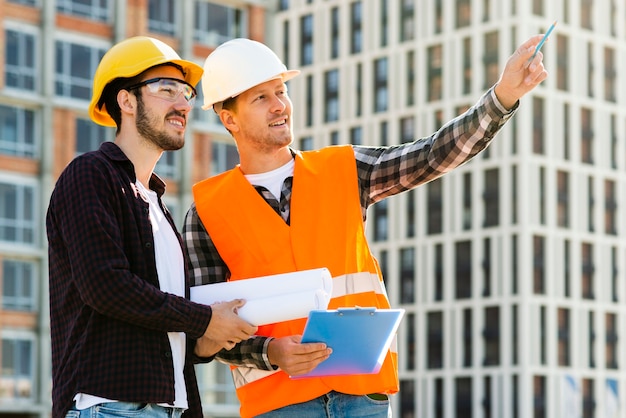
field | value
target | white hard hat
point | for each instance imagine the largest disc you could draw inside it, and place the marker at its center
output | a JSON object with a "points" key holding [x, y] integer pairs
{"points": [[238, 65]]}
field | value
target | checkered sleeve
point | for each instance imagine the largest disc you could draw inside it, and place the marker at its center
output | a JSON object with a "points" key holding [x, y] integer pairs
{"points": [[387, 171], [207, 266], [249, 353]]}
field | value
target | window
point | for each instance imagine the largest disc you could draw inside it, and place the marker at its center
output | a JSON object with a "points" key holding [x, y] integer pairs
{"points": [[17, 217], [487, 403], [434, 212], [306, 143], [162, 16], [563, 203], [410, 349], [562, 62], [538, 125], [309, 97], [491, 197], [381, 220], [589, 399], [539, 267], [612, 339], [567, 270], [463, 13], [75, 67], [167, 165], [434, 347], [539, 401], [543, 336], [384, 23], [407, 275], [466, 212], [610, 208], [89, 136], [467, 338], [99, 10], [24, 2], [21, 60], [410, 214], [491, 59], [381, 89], [514, 335], [306, 40], [586, 14], [356, 135], [358, 90], [215, 23], [591, 204], [587, 271], [407, 398], [224, 156], [614, 275], [17, 380], [467, 65], [407, 20], [563, 318], [610, 75], [438, 270], [335, 40], [590, 70], [17, 131], [435, 73], [463, 270], [586, 136], [215, 383], [592, 339], [384, 133], [438, 8], [486, 267], [356, 29], [463, 401], [410, 78], [407, 129], [331, 96], [18, 285], [491, 336]]}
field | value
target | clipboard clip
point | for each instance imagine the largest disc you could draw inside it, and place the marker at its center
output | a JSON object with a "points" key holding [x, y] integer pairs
{"points": [[356, 310]]}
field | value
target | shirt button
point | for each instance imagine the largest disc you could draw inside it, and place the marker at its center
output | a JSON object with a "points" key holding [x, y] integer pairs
{"points": [[168, 354], [148, 245]]}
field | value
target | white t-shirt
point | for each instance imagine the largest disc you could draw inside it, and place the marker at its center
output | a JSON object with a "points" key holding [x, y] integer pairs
{"points": [[170, 268], [273, 180]]}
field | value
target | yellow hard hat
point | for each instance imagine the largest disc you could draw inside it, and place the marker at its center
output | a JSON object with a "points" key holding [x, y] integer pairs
{"points": [[238, 65], [129, 58]]}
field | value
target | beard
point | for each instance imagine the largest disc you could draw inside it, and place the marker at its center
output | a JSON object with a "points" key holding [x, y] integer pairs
{"points": [[146, 126]]}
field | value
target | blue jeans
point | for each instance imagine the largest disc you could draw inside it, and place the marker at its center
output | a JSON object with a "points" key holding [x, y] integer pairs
{"points": [[125, 409], [335, 405]]}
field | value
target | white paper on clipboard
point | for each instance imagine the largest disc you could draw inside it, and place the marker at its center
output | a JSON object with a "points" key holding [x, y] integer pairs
{"points": [[271, 299]]}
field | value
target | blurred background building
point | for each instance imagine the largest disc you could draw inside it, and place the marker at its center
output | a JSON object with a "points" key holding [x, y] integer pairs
{"points": [[512, 268]]}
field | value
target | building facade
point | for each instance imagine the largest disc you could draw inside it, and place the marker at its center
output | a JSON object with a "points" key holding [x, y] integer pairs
{"points": [[511, 268]]}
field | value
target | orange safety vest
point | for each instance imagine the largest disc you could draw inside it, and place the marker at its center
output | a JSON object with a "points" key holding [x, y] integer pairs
{"points": [[326, 230]]}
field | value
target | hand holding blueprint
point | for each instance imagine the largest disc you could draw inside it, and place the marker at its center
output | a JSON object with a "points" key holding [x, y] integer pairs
{"points": [[271, 299]]}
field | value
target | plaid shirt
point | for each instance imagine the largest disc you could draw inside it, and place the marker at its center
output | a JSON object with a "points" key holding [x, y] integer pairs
{"points": [[108, 318], [382, 172]]}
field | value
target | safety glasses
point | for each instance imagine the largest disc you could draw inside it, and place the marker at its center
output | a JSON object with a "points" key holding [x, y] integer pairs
{"points": [[168, 89]]}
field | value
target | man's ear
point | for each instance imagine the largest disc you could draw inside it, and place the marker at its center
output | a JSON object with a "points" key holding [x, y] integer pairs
{"points": [[229, 120], [126, 101]]}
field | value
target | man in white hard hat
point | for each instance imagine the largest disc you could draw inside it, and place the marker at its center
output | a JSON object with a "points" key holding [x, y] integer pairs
{"points": [[124, 335], [284, 210]]}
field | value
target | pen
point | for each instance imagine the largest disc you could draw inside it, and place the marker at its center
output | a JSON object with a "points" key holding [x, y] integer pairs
{"points": [[543, 40]]}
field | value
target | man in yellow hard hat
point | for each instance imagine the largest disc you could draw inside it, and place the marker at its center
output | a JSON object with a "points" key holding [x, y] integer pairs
{"points": [[124, 334], [284, 210]]}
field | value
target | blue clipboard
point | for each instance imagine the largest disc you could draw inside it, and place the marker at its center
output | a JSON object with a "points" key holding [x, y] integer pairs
{"points": [[359, 337]]}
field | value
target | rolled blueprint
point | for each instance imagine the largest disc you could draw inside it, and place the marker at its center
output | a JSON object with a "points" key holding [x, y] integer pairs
{"points": [[271, 299]]}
